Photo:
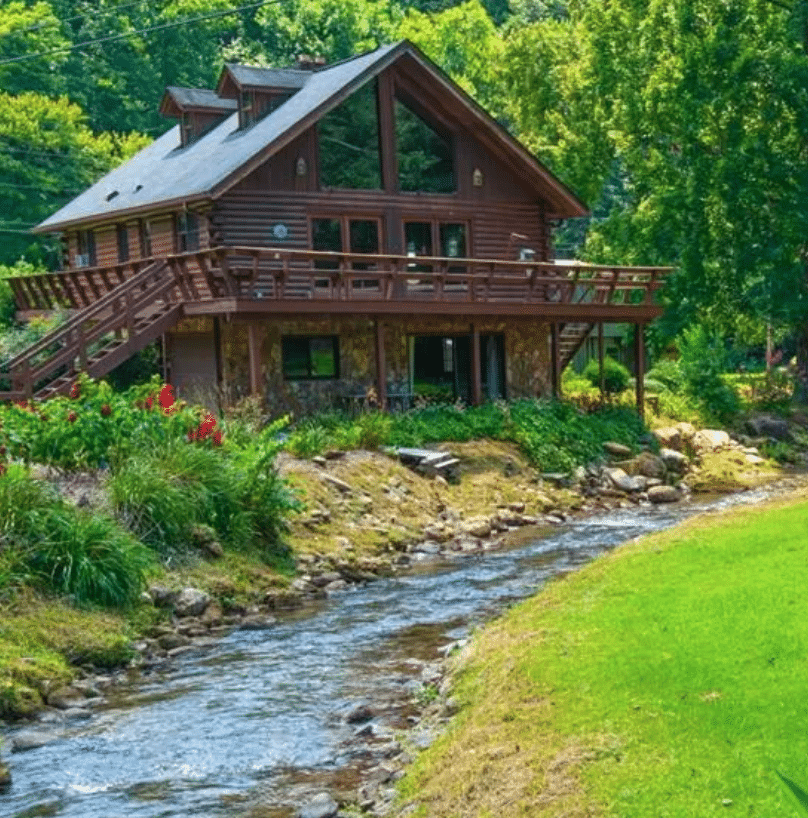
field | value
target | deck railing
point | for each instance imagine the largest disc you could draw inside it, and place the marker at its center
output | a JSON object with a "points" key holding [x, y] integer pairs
{"points": [[256, 273]]}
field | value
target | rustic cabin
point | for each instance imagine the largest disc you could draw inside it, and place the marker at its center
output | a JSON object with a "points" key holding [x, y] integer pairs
{"points": [[317, 234]]}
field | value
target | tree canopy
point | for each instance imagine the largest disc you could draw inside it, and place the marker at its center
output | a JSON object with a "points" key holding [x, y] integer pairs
{"points": [[683, 123]]}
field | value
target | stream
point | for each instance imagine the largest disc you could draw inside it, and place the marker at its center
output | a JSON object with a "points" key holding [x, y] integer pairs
{"points": [[257, 723]]}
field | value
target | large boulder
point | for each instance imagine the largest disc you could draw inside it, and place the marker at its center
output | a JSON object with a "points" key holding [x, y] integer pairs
{"points": [[664, 494], [674, 461], [191, 602], [650, 465], [624, 482], [616, 449], [710, 440], [669, 437], [320, 806], [768, 426]]}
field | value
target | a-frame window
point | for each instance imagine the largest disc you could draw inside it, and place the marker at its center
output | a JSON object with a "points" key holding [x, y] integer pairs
{"points": [[425, 154], [349, 155]]}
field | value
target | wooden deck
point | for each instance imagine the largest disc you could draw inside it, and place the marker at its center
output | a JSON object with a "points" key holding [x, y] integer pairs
{"points": [[115, 311]]}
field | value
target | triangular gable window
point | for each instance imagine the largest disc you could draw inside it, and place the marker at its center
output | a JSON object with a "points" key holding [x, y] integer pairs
{"points": [[425, 156], [349, 143]]}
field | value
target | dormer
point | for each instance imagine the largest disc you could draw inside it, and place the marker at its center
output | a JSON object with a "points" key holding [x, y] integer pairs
{"points": [[259, 91], [197, 109]]}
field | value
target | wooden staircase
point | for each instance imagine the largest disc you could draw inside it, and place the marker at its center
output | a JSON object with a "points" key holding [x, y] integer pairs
{"points": [[570, 340], [98, 337]]}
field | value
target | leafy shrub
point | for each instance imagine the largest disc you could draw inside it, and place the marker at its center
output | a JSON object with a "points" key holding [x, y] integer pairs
{"points": [[163, 493], [702, 362], [668, 373], [48, 542], [89, 558], [94, 427], [616, 377]]}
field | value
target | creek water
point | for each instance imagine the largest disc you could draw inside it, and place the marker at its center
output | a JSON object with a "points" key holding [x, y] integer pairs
{"points": [[254, 723]]}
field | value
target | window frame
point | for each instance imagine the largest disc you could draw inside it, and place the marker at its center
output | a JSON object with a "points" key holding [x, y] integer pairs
{"points": [[310, 376]]}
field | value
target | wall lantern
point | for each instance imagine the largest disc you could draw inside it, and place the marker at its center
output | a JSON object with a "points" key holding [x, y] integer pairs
{"points": [[477, 178], [301, 166]]}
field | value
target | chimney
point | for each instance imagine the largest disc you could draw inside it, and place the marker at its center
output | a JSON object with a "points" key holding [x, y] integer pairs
{"points": [[305, 62]]}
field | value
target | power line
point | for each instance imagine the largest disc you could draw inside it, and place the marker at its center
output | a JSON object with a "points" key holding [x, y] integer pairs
{"points": [[56, 21], [113, 37], [80, 153]]}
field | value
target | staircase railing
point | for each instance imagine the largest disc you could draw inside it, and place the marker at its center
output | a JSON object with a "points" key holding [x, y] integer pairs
{"points": [[64, 352]]}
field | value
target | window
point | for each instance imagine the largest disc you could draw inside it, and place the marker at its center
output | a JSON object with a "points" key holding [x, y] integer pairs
{"points": [[348, 139], [310, 357], [85, 249], [451, 238], [425, 156], [145, 239], [332, 235], [187, 232], [123, 243]]}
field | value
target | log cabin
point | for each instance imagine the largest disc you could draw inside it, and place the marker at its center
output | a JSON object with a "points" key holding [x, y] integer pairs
{"points": [[317, 234]]}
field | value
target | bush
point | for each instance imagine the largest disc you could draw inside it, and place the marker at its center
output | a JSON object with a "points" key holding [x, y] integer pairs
{"points": [[616, 378], [161, 493], [702, 362], [89, 558], [66, 550]]}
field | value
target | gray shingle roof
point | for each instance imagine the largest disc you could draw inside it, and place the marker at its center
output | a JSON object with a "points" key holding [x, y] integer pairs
{"points": [[250, 76], [165, 174], [200, 98]]}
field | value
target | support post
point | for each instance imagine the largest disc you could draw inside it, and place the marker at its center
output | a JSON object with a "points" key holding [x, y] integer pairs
{"points": [[639, 367], [476, 368], [254, 346], [555, 360], [601, 373], [381, 366]]}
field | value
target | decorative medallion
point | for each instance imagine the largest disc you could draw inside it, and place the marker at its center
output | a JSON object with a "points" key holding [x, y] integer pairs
{"points": [[280, 231]]}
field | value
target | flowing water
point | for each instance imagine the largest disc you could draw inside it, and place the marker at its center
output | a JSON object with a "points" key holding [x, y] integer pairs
{"points": [[249, 724]]}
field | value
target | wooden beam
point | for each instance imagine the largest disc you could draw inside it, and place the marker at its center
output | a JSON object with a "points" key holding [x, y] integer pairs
{"points": [[381, 366], [555, 359], [601, 374], [476, 367], [254, 336], [639, 367], [387, 133]]}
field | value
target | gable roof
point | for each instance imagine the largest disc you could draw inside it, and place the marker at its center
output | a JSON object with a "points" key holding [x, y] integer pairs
{"points": [[250, 76], [178, 99], [165, 175]]}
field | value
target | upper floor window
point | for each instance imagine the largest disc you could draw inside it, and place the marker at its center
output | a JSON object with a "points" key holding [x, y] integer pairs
{"points": [[349, 143], [425, 155], [187, 232], [85, 249], [145, 239], [123, 242]]}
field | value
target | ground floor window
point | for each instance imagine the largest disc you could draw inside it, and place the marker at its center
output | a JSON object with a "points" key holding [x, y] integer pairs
{"points": [[310, 357]]}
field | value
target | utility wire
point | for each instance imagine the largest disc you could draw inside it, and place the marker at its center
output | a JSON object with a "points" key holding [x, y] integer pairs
{"points": [[56, 21], [113, 37]]}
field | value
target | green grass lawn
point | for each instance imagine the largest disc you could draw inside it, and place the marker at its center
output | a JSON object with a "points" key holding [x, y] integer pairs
{"points": [[669, 678]]}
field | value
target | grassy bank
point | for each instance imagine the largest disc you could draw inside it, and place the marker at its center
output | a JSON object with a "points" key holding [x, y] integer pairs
{"points": [[665, 679]]}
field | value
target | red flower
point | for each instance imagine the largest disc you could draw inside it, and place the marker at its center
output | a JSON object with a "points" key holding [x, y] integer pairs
{"points": [[106, 410], [206, 427], [166, 397], [149, 402], [75, 391], [217, 437], [191, 435], [72, 417]]}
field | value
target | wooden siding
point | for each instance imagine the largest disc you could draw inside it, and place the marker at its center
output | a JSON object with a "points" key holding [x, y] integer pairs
{"points": [[247, 219]]}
